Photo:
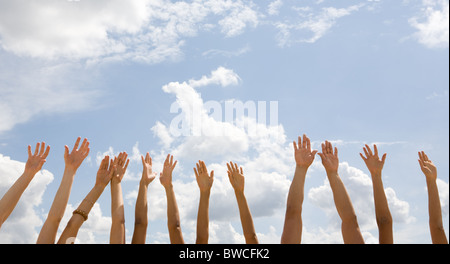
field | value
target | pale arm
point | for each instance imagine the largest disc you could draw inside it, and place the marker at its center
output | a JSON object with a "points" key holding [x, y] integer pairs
{"points": [[382, 212], [304, 156], [117, 234], [104, 176], [173, 216], [34, 165], [236, 177], [73, 161], [434, 205], [141, 210], [350, 228], [204, 181]]}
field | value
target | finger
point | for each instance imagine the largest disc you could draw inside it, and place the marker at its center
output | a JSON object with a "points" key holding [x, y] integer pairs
{"points": [[304, 141], [171, 160], [426, 157], [37, 149], [84, 144], [204, 167], [143, 161], [46, 152], [369, 150], [236, 167], [41, 151], [167, 159], [335, 152], [242, 172], [323, 148], [75, 147], [366, 152], [314, 153], [29, 151], [299, 142], [308, 144], [198, 167], [66, 151], [229, 167], [421, 163], [173, 166], [383, 159], [212, 175], [196, 173], [362, 156], [375, 150], [126, 165], [420, 155], [321, 155], [295, 145]]}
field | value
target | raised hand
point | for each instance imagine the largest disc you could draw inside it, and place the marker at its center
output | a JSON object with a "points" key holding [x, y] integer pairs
{"points": [[204, 180], [36, 161], [74, 159], [121, 163], [165, 177], [304, 157], [330, 159], [236, 177], [147, 173], [105, 172], [373, 162], [427, 167]]}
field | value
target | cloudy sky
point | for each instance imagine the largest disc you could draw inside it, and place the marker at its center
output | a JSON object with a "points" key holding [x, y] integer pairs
{"points": [[158, 76]]}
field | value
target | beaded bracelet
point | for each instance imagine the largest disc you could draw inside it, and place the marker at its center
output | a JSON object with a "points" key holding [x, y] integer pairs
{"points": [[82, 213]]}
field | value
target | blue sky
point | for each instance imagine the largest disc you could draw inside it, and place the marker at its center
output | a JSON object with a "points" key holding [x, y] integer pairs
{"points": [[353, 72]]}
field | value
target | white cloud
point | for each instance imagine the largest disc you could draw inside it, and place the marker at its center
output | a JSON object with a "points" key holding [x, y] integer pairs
{"points": [[141, 30], [432, 24], [318, 24], [21, 226], [31, 88], [274, 7]]}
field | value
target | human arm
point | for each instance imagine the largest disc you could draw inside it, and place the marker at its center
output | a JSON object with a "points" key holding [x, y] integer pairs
{"points": [[434, 205], [304, 156], [141, 218], [72, 161], [237, 180], [117, 234], [382, 213], [32, 166], [204, 181], [173, 216], [349, 228], [104, 176]]}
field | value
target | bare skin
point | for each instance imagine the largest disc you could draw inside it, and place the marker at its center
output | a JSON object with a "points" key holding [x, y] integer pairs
{"points": [[349, 228], [33, 165], [141, 210], [237, 180], [204, 181], [72, 161], [104, 175], [173, 216], [117, 234], [382, 212], [434, 205], [304, 157]]}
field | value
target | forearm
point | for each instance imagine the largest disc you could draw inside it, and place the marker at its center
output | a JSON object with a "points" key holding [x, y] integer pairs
{"points": [[12, 196], [341, 197], [56, 213], [435, 213], [382, 212], [117, 235], [76, 221], [292, 230], [246, 219], [203, 218], [140, 216], [173, 217]]}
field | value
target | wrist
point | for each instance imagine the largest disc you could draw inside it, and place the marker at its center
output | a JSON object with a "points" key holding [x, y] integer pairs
{"points": [[205, 192]]}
